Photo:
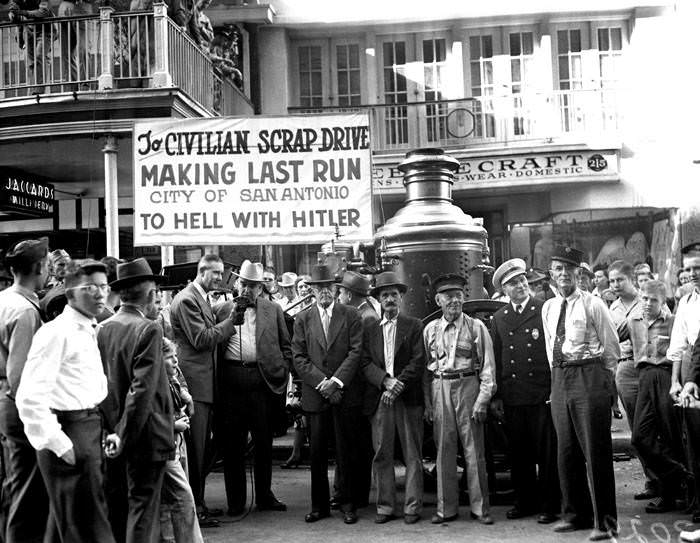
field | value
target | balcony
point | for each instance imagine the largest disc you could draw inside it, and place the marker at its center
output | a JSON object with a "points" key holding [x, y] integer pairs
{"points": [[112, 51], [516, 119]]}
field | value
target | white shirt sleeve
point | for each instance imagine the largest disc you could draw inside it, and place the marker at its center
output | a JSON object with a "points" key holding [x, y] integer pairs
{"points": [[38, 380], [678, 343], [487, 377]]}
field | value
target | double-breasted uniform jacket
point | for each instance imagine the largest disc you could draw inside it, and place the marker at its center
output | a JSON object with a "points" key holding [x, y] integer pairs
{"points": [[523, 375], [316, 359], [409, 361], [138, 406], [273, 347], [197, 334]]}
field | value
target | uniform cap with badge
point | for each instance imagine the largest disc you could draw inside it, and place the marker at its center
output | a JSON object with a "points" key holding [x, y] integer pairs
{"points": [[508, 270], [449, 281], [567, 254]]}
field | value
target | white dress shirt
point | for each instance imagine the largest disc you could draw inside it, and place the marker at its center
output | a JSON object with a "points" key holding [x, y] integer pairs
{"points": [[63, 372], [389, 331], [585, 337], [522, 305], [685, 327], [241, 345]]}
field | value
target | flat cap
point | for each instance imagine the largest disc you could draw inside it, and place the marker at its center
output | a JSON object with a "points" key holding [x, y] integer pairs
{"points": [[449, 281], [509, 269], [567, 254], [28, 251]]}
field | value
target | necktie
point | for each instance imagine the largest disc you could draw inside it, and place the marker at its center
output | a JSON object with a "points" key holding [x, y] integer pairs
{"points": [[519, 309], [325, 322], [389, 347], [557, 355]]}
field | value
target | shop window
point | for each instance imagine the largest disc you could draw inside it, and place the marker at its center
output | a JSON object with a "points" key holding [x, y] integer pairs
{"points": [[310, 76], [482, 84], [348, 74]]}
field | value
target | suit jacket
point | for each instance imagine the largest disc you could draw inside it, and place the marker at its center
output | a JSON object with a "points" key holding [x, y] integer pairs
{"points": [[315, 359], [197, 334], [138, 406], [272, 343], [409, 361], [523, 376]]}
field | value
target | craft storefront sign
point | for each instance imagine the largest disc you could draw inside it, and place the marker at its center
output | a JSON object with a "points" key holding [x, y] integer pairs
{"points": [[25, 195], [272, 180], [505, 171]]}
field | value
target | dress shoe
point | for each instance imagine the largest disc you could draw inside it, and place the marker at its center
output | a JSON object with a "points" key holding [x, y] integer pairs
{"points": [[205, 521], [292, 463], [484, 519], [411, 519], [349, 517], [660, 505], [601, 535], [315, 516], [439, 519], [334, 504], [517, 513], [214, 511], [381, 518], [571, 526], [547, 518], [271, 505]]}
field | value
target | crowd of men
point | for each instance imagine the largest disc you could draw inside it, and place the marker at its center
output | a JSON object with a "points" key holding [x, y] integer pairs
{"points": [[112, 408]]}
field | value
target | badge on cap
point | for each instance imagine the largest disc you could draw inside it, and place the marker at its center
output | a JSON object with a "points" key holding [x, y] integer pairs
{"points": [[535, 334]]}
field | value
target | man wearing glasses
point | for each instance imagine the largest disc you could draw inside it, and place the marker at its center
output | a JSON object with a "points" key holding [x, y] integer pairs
{"points": [[326, 349], [583, 350], [63, 383], [138, 408]]}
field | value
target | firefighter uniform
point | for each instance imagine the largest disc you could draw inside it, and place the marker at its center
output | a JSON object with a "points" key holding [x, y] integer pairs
{"points": [[523, 382]]}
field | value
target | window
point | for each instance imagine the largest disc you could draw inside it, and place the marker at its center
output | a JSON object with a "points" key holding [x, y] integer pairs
{"points": [[521, 73], [609, 56], [569, 59], [310, 76], [434, 59], [348, 74], [482, 85], [395, 92]]}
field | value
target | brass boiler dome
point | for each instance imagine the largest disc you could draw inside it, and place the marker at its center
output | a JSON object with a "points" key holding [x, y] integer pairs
{"points": [[430, 235]]}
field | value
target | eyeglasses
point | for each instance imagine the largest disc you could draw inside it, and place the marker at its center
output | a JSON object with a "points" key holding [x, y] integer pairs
{"points": [[93, 289]]}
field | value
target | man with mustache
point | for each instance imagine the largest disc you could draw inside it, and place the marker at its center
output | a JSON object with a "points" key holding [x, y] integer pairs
{"points": [[523, 382], [583, 351], [393, 361], [457, 389]]}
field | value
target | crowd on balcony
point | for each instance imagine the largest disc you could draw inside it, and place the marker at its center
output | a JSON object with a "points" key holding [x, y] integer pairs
{"points": [[39, 39]]}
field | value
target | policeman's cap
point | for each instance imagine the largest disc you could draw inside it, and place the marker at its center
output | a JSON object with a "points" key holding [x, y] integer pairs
{"points": [[509, 269]]}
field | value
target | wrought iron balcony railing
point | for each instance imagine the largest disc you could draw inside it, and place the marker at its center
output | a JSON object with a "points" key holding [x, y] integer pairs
{"points": [[487, 119], [107, 51]]}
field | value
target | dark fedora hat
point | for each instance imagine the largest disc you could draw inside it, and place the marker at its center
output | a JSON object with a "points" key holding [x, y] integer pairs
{"points": [[321, 275], [136, 271], [388, 279], [355, 282]]}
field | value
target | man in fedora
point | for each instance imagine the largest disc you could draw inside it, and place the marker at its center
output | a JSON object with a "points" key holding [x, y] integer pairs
{"points": [[583, 351], [457, 389], [23, 494], [522, 395], [253, 371], [138, 409], [393, 362], [326, 348], [197, 335], [353, 290]]}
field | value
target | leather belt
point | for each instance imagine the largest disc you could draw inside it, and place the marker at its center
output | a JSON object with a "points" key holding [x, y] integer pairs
{"points": [[453, 374], [241, 363], [75, 414], [578, 362]]}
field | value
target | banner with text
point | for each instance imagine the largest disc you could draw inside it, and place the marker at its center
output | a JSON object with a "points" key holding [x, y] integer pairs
{"points": [[261, 180]]}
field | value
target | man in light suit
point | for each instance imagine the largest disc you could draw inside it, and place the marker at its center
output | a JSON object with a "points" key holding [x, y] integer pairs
{"points": [[252, 374], [138, 408], [327, 348], [197, 334], [393, 362]]}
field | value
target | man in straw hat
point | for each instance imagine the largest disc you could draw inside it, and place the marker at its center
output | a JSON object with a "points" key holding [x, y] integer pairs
{"points": [[253, 371], [457, 389], [23, 490], [138, 409], [583, 351], [58, 399], [327, 348], [197, 335], [522, 394], [393, 364]]}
